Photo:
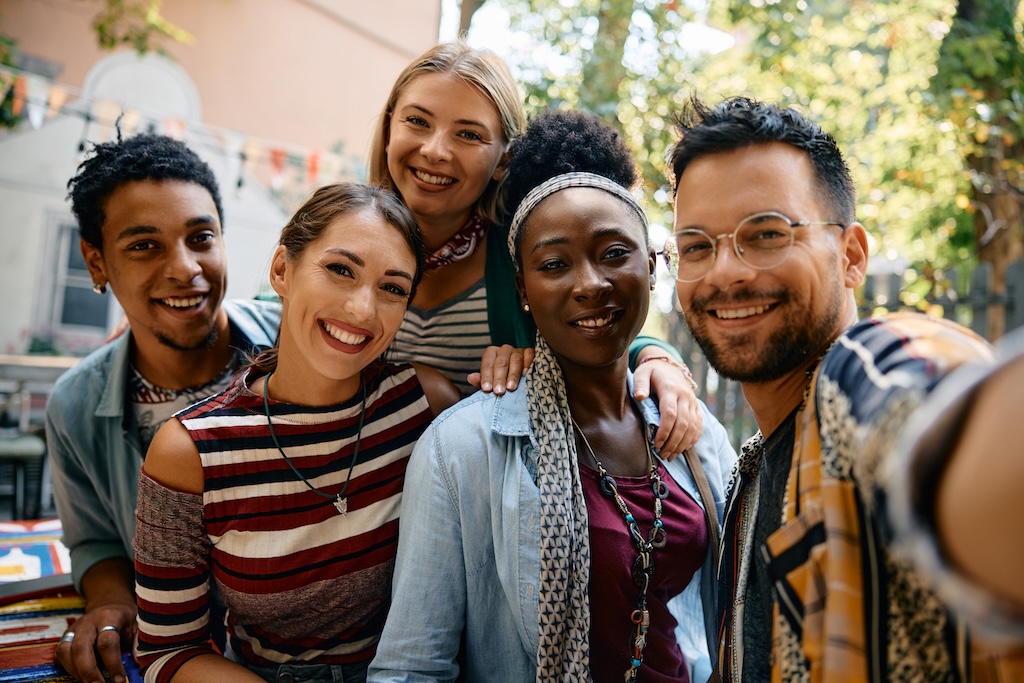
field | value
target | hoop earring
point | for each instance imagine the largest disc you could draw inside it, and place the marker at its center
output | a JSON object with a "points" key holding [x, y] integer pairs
{"points": [[99, 288]]}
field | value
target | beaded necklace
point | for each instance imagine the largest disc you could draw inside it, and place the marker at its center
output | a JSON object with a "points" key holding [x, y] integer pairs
{"points": [[340, 501], [643, 566]]}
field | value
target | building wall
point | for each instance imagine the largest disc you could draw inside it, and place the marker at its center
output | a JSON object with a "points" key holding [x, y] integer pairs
{"points": [[304, 75]]}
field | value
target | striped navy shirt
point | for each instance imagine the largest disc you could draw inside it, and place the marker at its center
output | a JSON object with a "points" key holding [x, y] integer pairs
{"points": [[450, 337]]}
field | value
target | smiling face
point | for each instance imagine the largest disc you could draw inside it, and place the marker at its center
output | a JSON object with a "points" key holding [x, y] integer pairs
{"points": [[761, 325], [586, 275], [444, 146], [163, 256], [343, 300]]}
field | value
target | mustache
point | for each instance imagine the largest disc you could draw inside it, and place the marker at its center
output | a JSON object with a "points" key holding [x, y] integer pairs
{"points": [[700, 304]]}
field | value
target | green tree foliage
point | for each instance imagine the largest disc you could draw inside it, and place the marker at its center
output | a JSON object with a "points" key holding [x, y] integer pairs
{"points": [[137, 24], [869, 70], [979, 88]]}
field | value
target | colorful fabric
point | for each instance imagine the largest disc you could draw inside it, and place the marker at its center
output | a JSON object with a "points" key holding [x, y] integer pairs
{"points": [[847, 606], [153, 405], [459, 246], [302, 583]]}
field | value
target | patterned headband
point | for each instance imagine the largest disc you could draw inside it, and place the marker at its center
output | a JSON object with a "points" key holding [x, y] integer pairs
{"points": [[561, 182]]}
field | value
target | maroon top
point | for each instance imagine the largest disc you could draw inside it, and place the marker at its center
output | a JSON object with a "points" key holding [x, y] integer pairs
{"points": [[613, 594]]}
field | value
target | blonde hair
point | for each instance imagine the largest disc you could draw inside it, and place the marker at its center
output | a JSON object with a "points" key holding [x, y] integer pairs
{"points": [[480, 68]]}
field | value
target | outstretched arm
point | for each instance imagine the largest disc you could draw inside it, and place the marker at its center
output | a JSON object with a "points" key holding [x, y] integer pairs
{"points": [[980, 498]]}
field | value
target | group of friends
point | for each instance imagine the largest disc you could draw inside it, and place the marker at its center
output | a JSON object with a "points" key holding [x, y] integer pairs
{"points": [[310, 489]]}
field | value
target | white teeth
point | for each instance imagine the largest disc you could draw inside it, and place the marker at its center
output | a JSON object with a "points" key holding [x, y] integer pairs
{"points": [[343, 336], [740, 312], [183, 302], [594, 322], [433, 179]]}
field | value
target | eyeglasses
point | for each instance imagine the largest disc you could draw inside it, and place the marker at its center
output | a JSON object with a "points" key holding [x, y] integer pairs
{"points": [[761, 241]]}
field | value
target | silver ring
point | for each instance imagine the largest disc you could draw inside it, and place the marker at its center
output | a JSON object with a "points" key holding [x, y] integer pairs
{"points": [[67, 637], [108, 628]]}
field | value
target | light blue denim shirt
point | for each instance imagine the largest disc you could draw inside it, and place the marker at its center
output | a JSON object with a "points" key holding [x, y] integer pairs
{"points": [[94, 446], [469, 548]]}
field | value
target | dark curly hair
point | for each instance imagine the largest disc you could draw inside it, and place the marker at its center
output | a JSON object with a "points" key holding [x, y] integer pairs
{"points": [[141, 157], [741, 121], [561, 141]]}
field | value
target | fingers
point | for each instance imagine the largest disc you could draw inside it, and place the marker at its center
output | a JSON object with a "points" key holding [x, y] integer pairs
{"points": [[501, 368], [474, 379], [108, 644], [642, 382], [77, 653], [487, 369]]}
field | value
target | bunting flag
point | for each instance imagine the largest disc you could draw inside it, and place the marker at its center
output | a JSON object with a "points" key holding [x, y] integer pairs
{"points": [[287, 170], [129, 121], [56, 98], [37, 91], [19, 96], [174, 128], [104, 116], [234, 155], [330, 167], [312, 167], [277, 158], [251, 151], [6, 81]]}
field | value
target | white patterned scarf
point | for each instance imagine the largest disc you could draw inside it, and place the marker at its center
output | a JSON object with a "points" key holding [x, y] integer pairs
{"points": [[563, 652]]}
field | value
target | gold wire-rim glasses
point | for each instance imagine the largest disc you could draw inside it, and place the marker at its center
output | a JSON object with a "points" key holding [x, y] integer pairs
{"points": [[762, 241]]}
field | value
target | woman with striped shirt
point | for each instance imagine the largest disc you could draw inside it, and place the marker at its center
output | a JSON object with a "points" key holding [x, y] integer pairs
{"points": [[441, 145], [284, 490]]}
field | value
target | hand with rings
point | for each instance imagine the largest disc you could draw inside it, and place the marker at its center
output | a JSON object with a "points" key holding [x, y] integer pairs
{"points": [[95, 643]]}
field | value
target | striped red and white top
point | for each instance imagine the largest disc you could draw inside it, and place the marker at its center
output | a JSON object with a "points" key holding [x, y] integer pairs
{"points": [[302, 583]]}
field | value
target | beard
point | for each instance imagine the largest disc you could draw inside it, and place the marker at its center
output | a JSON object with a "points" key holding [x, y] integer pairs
{"points": [[205, 343], [801, 337]]}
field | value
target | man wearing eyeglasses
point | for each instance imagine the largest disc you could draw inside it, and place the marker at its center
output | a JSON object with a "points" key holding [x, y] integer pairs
{"points": [[844, 545]]}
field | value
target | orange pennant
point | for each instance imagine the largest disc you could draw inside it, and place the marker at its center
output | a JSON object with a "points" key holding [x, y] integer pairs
{"points": [[20, 89]]}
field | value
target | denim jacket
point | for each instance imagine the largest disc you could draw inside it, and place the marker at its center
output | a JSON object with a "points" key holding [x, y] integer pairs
{"points": [[94, 447], [469, 549]]}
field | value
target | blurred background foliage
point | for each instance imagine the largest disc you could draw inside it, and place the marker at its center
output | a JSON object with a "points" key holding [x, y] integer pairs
{"points": [[925, 98]]}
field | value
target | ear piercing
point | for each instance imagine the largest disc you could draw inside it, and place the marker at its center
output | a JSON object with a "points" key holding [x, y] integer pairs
{"points": [[99, 288], [526, 308]]}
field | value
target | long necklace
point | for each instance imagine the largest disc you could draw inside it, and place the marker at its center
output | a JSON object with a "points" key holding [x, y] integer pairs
{"points": [[643, 566], [340, 501]]}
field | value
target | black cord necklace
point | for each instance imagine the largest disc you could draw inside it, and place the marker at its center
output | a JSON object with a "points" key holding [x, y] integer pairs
{"points": [[643, 566], [340, 501]]}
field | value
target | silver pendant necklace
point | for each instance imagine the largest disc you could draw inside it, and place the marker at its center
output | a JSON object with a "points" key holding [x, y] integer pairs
{"points": [[340, 501]]}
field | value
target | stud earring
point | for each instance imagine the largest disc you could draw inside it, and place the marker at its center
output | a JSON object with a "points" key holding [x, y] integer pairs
{"points": [[526, 308], [99, 288]]}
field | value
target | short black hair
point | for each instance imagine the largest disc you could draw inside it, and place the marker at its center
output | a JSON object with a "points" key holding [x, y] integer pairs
{"points": [[141, 157], [741, 121], [560, 141]]}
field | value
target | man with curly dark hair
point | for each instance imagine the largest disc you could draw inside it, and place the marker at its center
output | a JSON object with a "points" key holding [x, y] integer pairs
{"points": [[150, 216]]}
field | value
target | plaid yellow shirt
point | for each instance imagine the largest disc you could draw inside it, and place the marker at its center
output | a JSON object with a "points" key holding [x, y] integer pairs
{"points": [[845, 606]]}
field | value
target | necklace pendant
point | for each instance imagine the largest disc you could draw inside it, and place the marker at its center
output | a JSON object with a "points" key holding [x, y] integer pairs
{"points": [[342, 505]]}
